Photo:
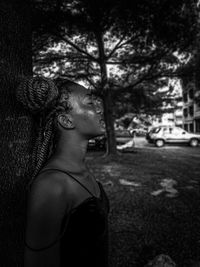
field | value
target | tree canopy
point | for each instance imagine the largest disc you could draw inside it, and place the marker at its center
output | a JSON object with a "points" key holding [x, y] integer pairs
{"points": [[112, 44], [139, 38]]}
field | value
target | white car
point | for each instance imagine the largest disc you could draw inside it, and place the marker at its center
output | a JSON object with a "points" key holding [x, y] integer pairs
{"points": [[171, 134]]}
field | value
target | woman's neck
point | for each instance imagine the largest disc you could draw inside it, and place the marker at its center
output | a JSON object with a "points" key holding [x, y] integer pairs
{"points": [[70, 153]]}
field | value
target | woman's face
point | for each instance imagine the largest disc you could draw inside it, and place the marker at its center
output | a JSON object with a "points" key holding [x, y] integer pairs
{"points": [[86, 112]]}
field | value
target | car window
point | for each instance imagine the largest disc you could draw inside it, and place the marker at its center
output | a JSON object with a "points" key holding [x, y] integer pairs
{"points": [[173, 130], [167, 130], [177, 131], [156, 130]]}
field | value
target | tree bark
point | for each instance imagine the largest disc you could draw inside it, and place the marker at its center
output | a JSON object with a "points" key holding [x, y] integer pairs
{"points": [[197, 49], [16, 132], [107, 101], [108, 109]]}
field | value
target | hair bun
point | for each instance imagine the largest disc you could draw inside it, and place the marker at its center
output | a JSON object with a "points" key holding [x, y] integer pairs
{"points": [[37, 93]]}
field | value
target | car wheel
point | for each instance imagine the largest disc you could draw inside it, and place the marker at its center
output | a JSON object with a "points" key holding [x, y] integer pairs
{"points": [[159, 143], [194, 142]]}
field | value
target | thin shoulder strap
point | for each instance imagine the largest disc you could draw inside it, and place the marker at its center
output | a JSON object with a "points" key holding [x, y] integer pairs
{"points": [[54, 242], [74, 178]]}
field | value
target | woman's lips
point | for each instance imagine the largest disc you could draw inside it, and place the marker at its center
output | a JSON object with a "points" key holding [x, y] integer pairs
{"points": [[102, 122]]}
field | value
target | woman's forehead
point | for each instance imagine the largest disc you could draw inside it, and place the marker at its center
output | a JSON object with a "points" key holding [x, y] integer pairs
{"points": [[82, 92], [79, 90]]}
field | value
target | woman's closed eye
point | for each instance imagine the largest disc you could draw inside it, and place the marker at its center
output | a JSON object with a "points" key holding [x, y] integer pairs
{"points": [[93, 101], [90, 103]]}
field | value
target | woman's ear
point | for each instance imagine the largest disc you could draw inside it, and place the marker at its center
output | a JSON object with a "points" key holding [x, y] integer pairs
{"points": [[66, 121]]}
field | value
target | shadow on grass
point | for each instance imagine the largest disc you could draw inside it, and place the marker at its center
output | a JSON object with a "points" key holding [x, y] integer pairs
{"points": [[143, 225]]}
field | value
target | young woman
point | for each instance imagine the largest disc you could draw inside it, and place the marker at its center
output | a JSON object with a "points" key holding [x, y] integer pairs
{"points": [[67, 214]]}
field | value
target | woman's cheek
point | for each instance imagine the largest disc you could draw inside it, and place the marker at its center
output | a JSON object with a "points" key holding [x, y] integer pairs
{"points": [[89, 115], [85, 113]]}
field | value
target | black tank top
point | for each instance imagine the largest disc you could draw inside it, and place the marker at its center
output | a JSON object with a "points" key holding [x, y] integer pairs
{"points": [[84, 231]]}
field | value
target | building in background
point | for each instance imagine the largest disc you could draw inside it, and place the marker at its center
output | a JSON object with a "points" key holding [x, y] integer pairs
{"points": [[191, 107], [178, 113], [173, 117], [172, 106]]}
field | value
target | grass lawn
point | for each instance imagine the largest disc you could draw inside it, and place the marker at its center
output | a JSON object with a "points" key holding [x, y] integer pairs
{"points": [[155, 204]]}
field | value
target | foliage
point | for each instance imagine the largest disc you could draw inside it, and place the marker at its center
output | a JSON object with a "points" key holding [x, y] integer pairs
{"points": [[139, 39], [145, 98], [123, 46]]}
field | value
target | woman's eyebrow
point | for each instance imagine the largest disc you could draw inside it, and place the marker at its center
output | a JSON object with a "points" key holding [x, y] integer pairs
{"points": [[88, 96], [90, 93]]}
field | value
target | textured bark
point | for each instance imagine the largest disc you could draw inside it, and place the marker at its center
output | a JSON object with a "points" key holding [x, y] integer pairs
{"points": [[16, 132], [197, 50], [111, 148]]}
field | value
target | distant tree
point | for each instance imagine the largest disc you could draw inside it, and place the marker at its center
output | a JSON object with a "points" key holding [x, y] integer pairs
{"points": [[16, 132], [190, 72], [195, 59], [112, 45], [196, 51], [145, 98]]}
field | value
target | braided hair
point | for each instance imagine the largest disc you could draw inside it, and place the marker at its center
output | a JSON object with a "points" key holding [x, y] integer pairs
{"points": [[45, 99]]}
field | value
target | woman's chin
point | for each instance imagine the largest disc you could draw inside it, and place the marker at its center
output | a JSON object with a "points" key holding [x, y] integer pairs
{"points": [[102, 130], [102, 125]]}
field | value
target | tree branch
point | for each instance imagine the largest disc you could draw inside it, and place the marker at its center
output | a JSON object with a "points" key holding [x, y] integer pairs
{"points": [[129, 40], [76, 47], [146, 77], [115, 48], [120, 45], [140, 59], [91, 82]]}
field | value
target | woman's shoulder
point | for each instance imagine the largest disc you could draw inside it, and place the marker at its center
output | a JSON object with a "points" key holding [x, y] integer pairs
{"points": [[53, 184], [50, 179]]}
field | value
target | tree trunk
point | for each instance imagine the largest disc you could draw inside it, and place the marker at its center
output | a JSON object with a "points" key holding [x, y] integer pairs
{"points": [[197, 50], [107, 101], [16, 134], [108, 109]]}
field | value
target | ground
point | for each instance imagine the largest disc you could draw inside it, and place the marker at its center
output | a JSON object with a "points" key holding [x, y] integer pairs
{"points": [[155, 203]]}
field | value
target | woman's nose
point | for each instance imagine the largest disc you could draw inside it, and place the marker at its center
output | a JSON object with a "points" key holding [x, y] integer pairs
{"points": [[99, 106], [99, 109]]}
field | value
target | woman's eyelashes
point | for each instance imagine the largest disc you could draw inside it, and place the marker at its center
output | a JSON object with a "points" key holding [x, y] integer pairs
{"points": [[90, 103], [93, 102]]}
